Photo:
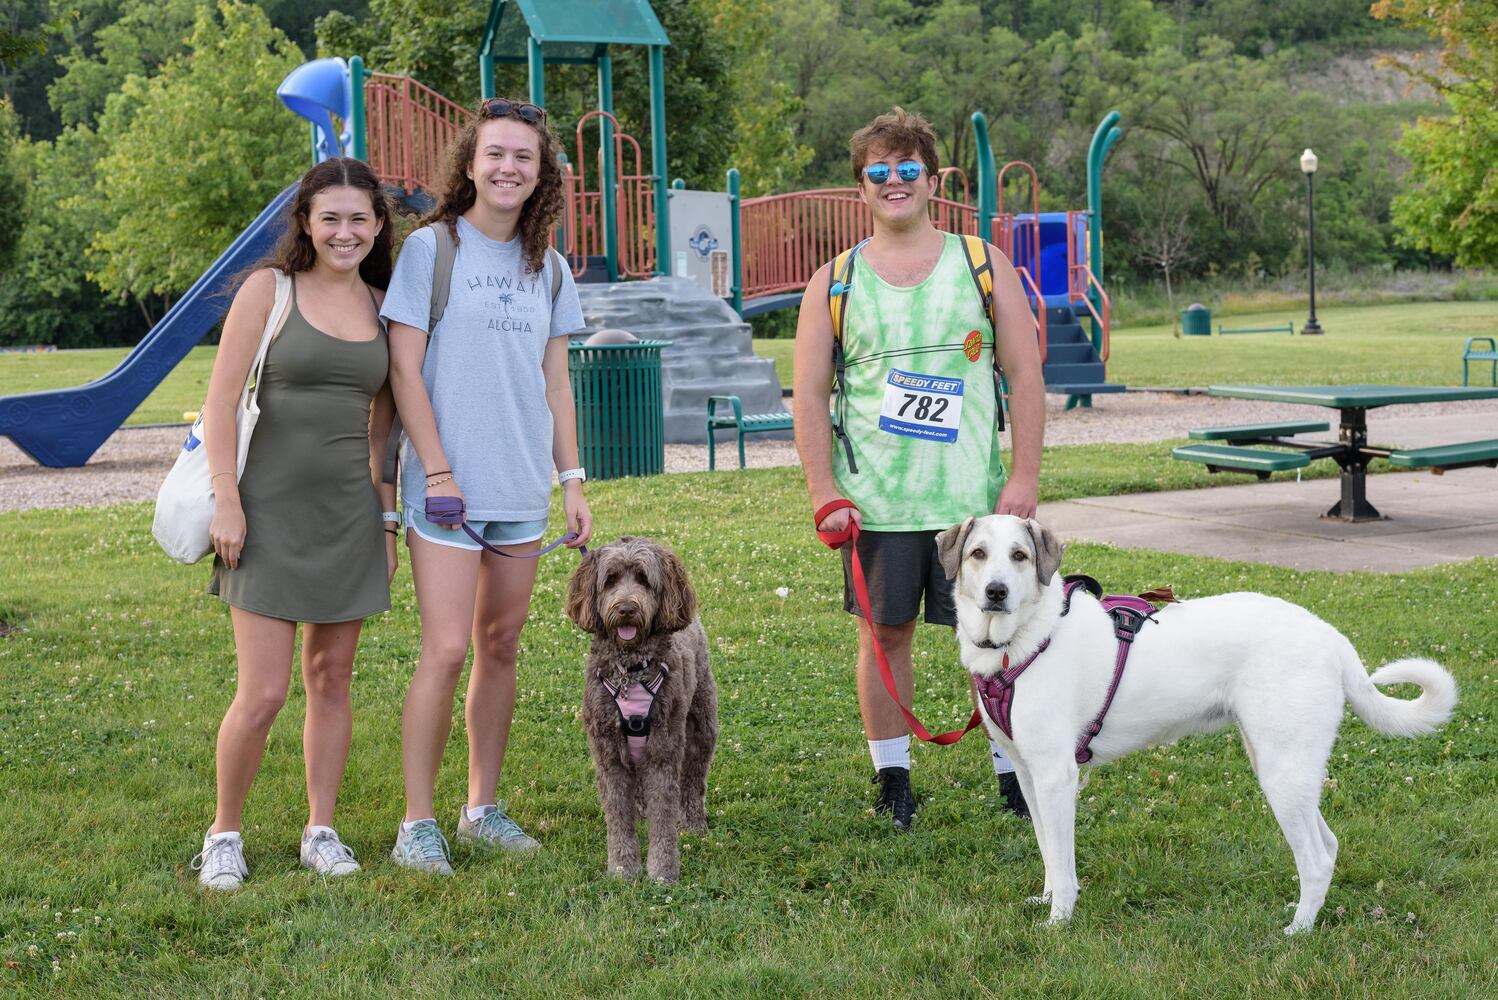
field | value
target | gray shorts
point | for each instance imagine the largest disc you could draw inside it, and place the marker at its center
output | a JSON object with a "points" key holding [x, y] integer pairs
{"points": [[900, 567]]}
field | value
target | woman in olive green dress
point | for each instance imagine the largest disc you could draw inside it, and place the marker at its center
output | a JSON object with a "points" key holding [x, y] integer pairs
{"points": [[302, 535]]}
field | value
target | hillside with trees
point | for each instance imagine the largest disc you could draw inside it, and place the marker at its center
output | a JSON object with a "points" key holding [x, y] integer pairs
{"points": [[137, 136]]}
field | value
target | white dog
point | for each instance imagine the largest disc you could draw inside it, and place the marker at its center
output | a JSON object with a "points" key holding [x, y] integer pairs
{"points": [[1272, 667]]}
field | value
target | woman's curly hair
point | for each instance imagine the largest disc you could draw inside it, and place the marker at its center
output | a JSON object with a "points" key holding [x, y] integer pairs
{"points": [[542, 210], [294, 251]]}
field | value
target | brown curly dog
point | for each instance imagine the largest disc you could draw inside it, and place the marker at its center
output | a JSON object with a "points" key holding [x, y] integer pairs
{"points": [[650, 706]]}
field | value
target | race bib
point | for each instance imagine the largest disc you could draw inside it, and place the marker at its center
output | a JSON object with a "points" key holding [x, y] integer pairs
{"points": [[921, 406]]}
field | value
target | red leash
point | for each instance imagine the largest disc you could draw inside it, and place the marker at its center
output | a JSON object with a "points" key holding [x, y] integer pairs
{"points": [[836, 540]]}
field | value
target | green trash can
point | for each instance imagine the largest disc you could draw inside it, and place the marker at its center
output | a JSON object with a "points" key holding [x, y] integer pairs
{"points": [[617, 391], [1196, 320]]}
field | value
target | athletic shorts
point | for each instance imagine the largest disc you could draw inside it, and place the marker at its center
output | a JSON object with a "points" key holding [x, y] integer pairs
{"points": [[900, 567], [493, 532]]}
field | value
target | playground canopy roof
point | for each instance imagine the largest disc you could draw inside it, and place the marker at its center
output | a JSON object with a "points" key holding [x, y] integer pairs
{"points": [[569, 31]]}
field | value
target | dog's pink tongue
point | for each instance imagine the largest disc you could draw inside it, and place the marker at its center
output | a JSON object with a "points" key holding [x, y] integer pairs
{"points": [[627, 632]]}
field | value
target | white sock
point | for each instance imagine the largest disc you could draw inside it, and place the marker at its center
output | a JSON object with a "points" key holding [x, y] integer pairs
{"points": [[223, 835], [476, 813], [407, 824], [314, 829], [890, 753], [1001, 764]]}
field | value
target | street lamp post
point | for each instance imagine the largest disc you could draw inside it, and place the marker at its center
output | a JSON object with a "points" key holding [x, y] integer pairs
{"points": [[1308, 167]]}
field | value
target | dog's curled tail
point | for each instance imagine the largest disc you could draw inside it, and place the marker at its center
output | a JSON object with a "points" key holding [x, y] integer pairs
{"points": [[1396, 716]]}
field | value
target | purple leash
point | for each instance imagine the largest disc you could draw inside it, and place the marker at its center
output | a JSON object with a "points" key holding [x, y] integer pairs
{"points": [[449, 510]]}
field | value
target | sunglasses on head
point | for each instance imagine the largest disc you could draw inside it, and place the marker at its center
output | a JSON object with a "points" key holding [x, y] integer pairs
{"points": [[498, 107], [909, 170]]}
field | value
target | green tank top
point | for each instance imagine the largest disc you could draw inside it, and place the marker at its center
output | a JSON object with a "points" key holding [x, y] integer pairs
{"points": [[918, 399]]}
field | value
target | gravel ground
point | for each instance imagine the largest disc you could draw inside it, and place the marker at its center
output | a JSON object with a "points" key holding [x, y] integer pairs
{"points": [[131, 464]]}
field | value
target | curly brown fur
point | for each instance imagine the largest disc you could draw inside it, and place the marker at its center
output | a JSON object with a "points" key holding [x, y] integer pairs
{"points": [[637, 583]]}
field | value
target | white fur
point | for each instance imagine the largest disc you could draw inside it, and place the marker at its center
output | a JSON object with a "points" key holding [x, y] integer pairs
{"points": [[1272, 667]]}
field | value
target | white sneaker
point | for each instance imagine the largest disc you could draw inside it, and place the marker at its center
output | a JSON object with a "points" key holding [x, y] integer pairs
{"points": [[325, 854], [494, 829], [221, 865], [422, 847]]}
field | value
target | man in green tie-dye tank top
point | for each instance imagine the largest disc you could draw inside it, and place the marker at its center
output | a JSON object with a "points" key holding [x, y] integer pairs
{"points": [[918, 406]]}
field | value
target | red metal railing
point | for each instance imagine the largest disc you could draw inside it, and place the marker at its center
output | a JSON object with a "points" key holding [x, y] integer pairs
{"points": [[635, 206], [1080, 281], [786, 237], [408, 127]]}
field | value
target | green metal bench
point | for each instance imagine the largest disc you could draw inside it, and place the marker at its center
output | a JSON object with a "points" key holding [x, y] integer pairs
{"points": [[1289, 328], [1470, 354], [740, 422], [1447, 456], [1248, 432], [1228, 458]]}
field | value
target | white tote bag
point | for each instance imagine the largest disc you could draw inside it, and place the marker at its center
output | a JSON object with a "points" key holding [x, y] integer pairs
{"points": [[184, 504]]}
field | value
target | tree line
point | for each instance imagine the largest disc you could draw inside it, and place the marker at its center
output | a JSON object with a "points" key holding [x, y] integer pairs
{"points": [[138, 137]]}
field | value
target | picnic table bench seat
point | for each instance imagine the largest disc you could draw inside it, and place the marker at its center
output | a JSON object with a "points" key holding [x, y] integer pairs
{"points": [[1447, 456], [1242, 432], [1217, 457], [740, 422]]}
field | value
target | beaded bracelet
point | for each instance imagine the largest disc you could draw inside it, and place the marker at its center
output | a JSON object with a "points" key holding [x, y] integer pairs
{"points": [[439, 481]]}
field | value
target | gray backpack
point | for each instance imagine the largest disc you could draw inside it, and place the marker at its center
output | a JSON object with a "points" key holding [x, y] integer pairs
{"points": [[442, 279]]}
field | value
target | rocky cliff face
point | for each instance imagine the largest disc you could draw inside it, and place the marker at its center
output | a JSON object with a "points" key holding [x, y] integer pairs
{"points": [[711, 352]]}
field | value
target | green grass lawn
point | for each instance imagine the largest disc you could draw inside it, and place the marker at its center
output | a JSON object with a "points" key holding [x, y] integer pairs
{"points": [[1418, 344], [121, 668]]}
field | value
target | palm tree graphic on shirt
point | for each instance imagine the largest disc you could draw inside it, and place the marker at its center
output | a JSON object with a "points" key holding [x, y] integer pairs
{"points": [[507, 299]]}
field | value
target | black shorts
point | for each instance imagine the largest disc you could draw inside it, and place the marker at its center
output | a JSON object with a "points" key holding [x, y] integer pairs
{"points": [[900, 567]]}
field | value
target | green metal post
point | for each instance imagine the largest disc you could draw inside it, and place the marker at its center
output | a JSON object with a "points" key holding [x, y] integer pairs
{"points": [[358, 116], [658, 158], [988, 198], [316, 153], [486, 50], [537, 72], [1103, 139], [610, 177], [738, 250]]}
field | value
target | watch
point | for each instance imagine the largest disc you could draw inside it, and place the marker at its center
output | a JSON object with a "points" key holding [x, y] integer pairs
{"points": [[567, 475]]}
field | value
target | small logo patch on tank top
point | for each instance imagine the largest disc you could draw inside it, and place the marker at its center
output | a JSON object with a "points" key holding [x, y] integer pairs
{"points": [[973, 345]]}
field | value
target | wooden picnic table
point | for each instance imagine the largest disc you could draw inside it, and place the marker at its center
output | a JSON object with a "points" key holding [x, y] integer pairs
{"points": [[1351, 450]]}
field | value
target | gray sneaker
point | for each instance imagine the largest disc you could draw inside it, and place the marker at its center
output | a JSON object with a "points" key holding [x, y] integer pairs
{"points": [[325, 854], [423, 848], [493, 829], [221, 865]]}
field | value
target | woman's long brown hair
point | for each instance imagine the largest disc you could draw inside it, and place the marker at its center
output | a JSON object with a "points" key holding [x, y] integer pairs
{"points": [[541, 211], [295, 253]]}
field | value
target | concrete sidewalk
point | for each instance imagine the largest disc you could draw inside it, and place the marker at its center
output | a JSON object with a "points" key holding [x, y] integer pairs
{"points": [[1430, 519]]}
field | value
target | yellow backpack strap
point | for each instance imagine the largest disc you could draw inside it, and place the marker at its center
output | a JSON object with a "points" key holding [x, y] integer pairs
{"points": [[980, 266], [839, 284]]}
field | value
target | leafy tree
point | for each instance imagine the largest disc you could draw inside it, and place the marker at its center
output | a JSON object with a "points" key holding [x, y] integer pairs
{"points": [[208, 147], [1452, 205], [12, 187], [145, 34], [28, 29], [46, 296]]}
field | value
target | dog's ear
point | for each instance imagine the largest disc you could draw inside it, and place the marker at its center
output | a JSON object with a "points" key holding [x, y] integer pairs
{"points": [[581, 594], [949, 547], [1048, 549], [678, 600]]}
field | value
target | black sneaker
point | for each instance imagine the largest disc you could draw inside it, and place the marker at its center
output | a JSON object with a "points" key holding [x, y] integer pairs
{"points": [[895, 797], [1014, 796]]}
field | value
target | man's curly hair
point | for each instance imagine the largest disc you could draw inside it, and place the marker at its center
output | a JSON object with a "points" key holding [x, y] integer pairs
{"points": [[542, 210]]}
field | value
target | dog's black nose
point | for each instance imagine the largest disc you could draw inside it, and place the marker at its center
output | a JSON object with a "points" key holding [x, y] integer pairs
{"points": [[996, 593]]}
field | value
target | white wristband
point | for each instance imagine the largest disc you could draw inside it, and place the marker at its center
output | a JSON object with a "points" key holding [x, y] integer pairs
{"points": [[567, 475], [391, 516]]}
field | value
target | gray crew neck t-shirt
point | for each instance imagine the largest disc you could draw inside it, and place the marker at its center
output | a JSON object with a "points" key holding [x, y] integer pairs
{"points": [[483, 370]]}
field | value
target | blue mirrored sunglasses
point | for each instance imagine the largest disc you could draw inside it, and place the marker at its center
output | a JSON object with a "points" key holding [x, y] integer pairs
{"points": [[878, 173]]}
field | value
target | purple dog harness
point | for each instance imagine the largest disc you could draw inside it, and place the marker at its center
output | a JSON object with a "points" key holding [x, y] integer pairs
{"points": [[636, 703], [1129, 615]]}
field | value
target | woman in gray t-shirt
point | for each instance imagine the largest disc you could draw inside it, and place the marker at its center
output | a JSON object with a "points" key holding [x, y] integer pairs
{"points": [[488, 412]]}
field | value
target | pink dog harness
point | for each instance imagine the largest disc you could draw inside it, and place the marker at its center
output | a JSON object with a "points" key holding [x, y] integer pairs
{"points": [[636, 704], [1129, 614]]}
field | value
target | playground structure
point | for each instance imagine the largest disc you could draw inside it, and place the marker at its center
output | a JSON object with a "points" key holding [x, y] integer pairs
{"points": [[616, 223]]}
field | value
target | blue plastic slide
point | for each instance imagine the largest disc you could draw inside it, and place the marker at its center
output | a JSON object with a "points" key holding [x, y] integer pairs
{"points": [[64, 427]]}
